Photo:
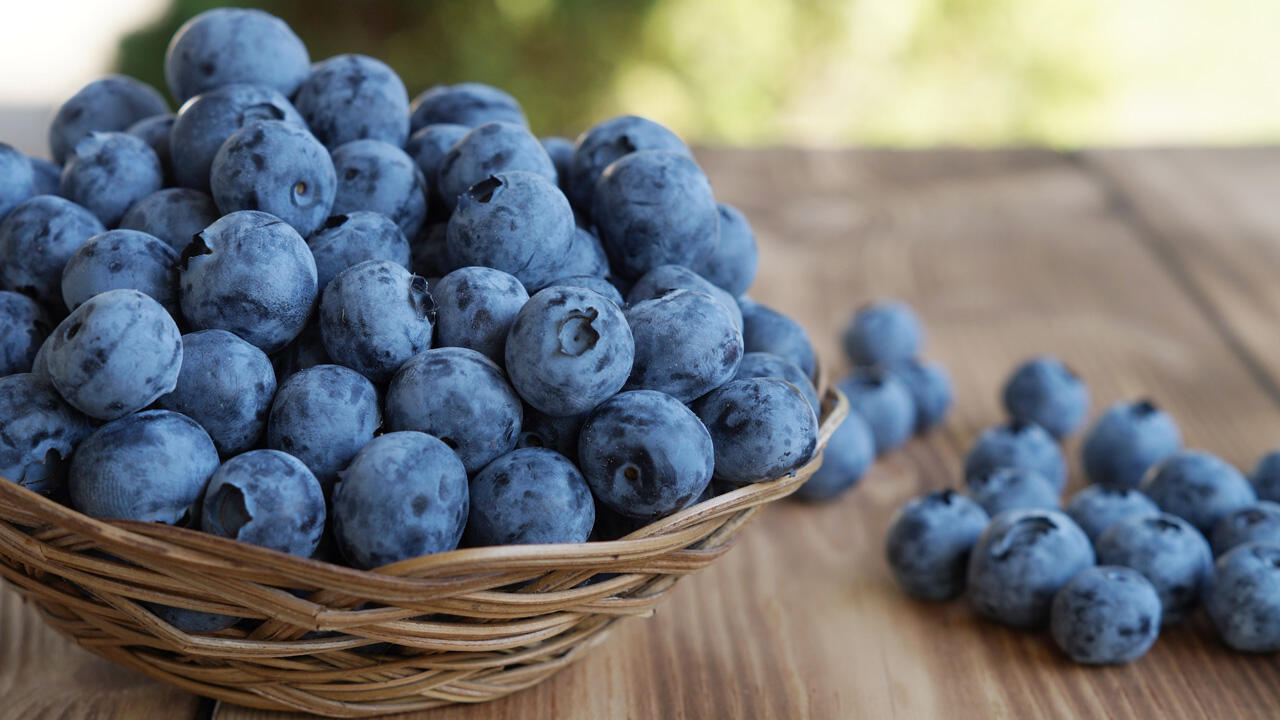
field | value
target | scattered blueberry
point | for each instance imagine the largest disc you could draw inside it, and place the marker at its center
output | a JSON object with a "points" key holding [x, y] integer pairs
{"points": [[767, 330], [762, 429], [1243, 598], [354, 97], [323, 416], [1096, 507], [883, 333], [531, 495], [475, 307], [108, 104], [374, 317], [174, 215], [1012, 488], [733, 263], [108, 172], [36, 240], [40, 433], [349, 239], [265, 498], [848, 454], [1046, 392], [686, 344], [205, 123], [471, 104], [1106, 615], [490, 149], [122, 259], [1258, 523], [234, 45], [23, 329], [930, 388], [1126, 441], [377, 176], [884, 402], [1171, 553], [603, 144], [1018, 445], [762, 364], [1199, 487], [929, 542]]}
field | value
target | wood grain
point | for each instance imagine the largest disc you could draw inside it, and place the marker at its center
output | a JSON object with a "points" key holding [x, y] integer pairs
{"points": [[1148, 272]]}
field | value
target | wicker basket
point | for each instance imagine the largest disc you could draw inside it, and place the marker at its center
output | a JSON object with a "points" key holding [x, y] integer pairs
{"points": [[466, 625]]}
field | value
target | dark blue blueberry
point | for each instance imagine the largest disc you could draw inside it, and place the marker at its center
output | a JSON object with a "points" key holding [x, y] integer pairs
{"points": [[475, 307], [762, 364], [461, 397], [17, 179], [883, 333], [930, 388], [490, 149], [108, 104], [46, 177], [1259, 523], [374, 317], [427, 147], [593, 283], [1243, 598], [1126, 441], [23, 329], [126, 259], [36, 240], [40, 433], [174, 215], [1012, 488], [1046, 392], [767, 330], [278, 168], [686, 344], [848, 454], [1266, 476], [733, 264], [1017, 445], [666, 279], [323, 415], [354, 97], [645, 454], [586, 256], [205, 123], [349, 239], [471, 104], [884, 402], [226, 385], [152, 466], [531, 495], [929, 542], [1106, 615], [155, 131], [560, 150], [429, 252], [108, 172], [234, 45], [404, 495], [115, 354], [1199, 487], [516, 222], [540, 430], [1171, 553], [265, 498], [1021, 561], [377, 176], [252, 274], [762, 429], [655, 208], [1097, 507], [603, 144], [569, 350]]}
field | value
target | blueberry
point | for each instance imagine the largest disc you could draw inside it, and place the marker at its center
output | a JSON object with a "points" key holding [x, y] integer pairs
{"points": [[23, 329], [598, 148], [115, 354], [174, 215], [1018, 445], [883, 333], [1097, 507], [404, 495], [930, 388], [40, 433], [762, 364], [586, 256], [155, 131], [46, 177], [884, 402], [569, 350], [126, 259], [429, 252], [1171, 553], [593, 283], [1266, 476], [36, 240], [108, 172], [929, 542], [1126, 441], [427, 148], [540, 430], [354, 97], [767, 330], [471, 104], [1199, 487], [531, 495], [849, 453], [686, 345], [733, 263], [1046, 392], [490, 149], [516, 222], [461, 397], [205, 123], [374, 175], [152, 466], [323, 416], [233, 45], [1009, 488], [349, 239], [1243, 598], [108, 104], [265, 498], [475, 307], [560, 150], [645, 454], [249, 273], [17, 179], [1106, 615], [226, 385], [278, 168], [374, 317], [666, 279], [1021, 561], [1258, 523], [762, 429]]}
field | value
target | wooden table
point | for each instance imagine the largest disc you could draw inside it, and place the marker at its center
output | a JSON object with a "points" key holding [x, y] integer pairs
{"points": [[1151, 272]]}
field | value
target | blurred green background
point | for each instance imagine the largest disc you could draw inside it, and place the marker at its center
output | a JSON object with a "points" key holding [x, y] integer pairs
{"points": [[825, 72]]}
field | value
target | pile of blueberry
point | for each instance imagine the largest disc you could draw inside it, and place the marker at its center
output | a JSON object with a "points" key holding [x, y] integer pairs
{"points": [[308, 314], [1131, 552]]}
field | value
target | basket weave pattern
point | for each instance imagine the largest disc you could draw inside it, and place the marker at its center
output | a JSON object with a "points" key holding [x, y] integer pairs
{"points": [[467, 625]]}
